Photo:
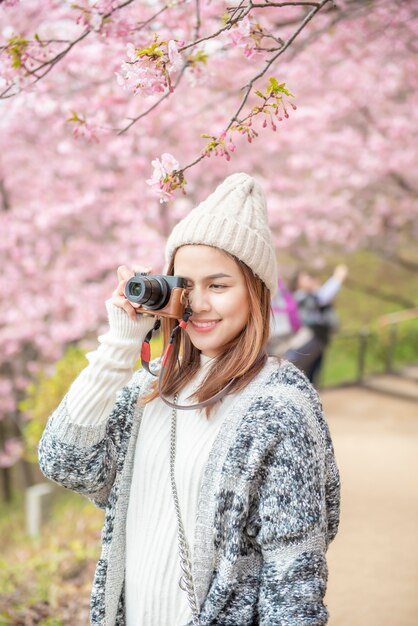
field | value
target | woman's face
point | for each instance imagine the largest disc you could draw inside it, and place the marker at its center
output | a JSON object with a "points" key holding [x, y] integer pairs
{"points": [[218, 296]]}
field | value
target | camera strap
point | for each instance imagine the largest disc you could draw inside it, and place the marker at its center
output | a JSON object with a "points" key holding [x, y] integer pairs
{"points": [[146, 357], [146, 348], [199, 405]]}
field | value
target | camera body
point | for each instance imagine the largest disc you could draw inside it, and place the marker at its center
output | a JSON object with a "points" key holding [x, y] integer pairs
{"points": [[158, 294]]}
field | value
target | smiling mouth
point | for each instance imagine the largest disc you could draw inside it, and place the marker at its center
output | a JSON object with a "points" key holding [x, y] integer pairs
{"points": [[204, 325]]}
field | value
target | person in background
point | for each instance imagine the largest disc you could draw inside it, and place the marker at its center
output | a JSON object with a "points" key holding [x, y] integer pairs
{"points": [[285, 322], [318, 319]]}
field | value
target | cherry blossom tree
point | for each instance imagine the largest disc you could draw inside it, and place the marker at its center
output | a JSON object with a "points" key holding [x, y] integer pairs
{"points": [[117, 117]]}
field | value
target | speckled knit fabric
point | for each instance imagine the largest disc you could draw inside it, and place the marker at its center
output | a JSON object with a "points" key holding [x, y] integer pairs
{"points": [[269, 503]]}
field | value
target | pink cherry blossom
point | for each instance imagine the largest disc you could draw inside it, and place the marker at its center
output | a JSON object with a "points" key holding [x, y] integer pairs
{"points": [[174, 56], [149, 73], [11, 452], [161, 180], [169, 163], [141, 77], [239, 34]]}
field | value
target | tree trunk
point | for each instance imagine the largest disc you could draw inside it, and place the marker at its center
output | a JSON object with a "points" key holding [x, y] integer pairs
{"points": [[6, 484]]}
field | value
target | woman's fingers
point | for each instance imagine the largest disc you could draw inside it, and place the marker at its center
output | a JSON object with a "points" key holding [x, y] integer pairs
{"points": [[140, 269], [130, 310], [124, 273]]}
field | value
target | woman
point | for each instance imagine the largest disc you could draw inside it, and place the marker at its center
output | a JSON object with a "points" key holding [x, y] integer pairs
{"points": [[249, 484]]}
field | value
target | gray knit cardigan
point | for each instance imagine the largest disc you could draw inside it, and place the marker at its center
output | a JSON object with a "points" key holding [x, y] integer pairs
{"points": [[268, 508]]}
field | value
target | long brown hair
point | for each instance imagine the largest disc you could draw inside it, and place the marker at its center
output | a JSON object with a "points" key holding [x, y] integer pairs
{"points": [[241, 359]]}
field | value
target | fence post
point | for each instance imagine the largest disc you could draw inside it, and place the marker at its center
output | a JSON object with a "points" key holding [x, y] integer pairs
{"points": [[390, 354], [38, 507], [361, 360]]}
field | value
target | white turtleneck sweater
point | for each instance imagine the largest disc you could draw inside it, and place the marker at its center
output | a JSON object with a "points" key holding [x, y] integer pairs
{"points": [[153, 596]]}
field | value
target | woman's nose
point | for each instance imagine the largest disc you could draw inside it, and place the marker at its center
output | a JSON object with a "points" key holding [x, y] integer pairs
{"points": [[198, 301]]}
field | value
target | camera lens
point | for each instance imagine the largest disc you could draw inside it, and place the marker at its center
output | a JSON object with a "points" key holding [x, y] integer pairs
{"points": [[136, 290], [152, 292]]}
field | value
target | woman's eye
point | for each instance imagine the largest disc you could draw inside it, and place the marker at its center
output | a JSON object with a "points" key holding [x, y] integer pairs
{"points": [[218, 286]]}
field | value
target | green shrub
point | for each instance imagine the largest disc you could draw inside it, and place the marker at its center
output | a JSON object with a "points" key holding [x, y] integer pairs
{"points": [[45, 578], [44, 395]]}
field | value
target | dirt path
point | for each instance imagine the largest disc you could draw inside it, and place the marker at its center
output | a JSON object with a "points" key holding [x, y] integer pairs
{"points": [[373, 562]]}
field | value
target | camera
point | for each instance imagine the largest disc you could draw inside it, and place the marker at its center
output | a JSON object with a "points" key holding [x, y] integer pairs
{"points": [[158, 294]]}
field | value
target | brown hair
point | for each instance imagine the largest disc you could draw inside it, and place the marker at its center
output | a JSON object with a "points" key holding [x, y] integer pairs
{"points": [[241, 359]]}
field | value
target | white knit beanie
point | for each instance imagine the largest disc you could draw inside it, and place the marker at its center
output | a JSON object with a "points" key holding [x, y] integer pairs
{"points": [[234, 219]]}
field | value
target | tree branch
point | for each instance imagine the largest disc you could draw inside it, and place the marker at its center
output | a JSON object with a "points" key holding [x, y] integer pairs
{"points": [[269, 4], [50, 64], [4, 196], [403, 183], [216, 34], [198, 20], [274, 58], [306, 20]]}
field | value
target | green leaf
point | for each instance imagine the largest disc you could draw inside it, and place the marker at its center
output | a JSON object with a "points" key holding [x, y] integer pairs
{"points": [[199, 57], [276, 87], [152, 50], [16, 62], [18, 41], [74, 117], [283, 89]]}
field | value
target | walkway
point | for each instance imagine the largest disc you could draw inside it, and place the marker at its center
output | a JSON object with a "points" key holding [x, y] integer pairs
{"points": [[373, 562]]}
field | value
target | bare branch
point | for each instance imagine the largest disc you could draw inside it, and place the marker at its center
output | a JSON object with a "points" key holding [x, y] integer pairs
{"points": [[232, 20], [403, 183], [4, 197], [274, 58], [306, 20], [198, 20], [268, 4], [151, 19]]}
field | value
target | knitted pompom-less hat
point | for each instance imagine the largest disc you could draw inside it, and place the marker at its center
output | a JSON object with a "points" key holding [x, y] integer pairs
{"points": [[233, 218]]}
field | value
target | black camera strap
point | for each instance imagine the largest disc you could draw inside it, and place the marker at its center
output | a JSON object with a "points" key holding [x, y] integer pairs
{"points": [[146, 348]]}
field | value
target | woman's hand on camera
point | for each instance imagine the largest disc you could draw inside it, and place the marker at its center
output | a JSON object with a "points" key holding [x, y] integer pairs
{"points": [[118, 298]]}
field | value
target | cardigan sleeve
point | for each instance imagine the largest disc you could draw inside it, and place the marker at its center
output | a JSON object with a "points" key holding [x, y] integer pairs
{"points": [[80, 446], [85, 458], [298, 506]]}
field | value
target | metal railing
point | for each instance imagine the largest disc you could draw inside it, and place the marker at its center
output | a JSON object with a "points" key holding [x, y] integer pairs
{"points": [[392, 322], [379, 342]]}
